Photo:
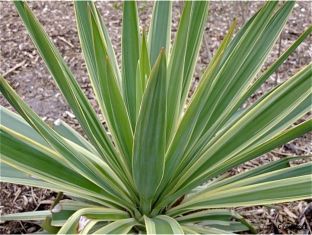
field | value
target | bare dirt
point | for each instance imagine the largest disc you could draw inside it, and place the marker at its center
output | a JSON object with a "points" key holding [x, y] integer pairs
{"points": [[24, 69]]}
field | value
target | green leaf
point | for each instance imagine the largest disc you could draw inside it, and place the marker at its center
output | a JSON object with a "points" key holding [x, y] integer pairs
{"points": [[69, 133], [103, 79], [258, 149], [74, 157], [91, 225], [44, 165], [139, 89], [142, 73], [145, 67], [107, 214], [107, 41], [175, 72], [216, 217], [272, 166], [31, 215], [278, 191], [178, 146], [162, 224], [197, 25], [217, 214], [267, 176], [64, 209], [130, 56], [87, 17], [16, 123], [229, 98], [70, 88], [269, 71], [10, 174], [160, 28], [197, 229], [236, 75], [225, 226], [150, 135], [122, 226], [274, 109], [206, 97]]}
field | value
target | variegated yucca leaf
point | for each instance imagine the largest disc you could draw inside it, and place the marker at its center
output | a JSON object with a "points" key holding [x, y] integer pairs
{"points": [[163, 167]]}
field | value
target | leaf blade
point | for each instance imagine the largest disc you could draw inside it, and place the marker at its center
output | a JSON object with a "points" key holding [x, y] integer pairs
{"points": [[130, 57], [150, 135], [159, 32]]}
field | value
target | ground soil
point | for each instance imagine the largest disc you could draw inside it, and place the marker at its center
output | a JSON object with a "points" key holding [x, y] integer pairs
{"points": [[24, 69]]}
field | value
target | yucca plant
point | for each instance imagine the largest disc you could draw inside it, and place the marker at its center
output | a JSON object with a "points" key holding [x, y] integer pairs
{"points": [[161, 167]]}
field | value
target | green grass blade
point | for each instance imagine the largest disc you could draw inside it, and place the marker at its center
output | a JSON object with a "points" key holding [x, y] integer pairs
{"points": [[130, 57], [197, 25], [160, 29], [150, 135]]}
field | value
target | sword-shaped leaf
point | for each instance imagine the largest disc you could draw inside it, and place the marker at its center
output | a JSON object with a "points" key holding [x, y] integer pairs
{"points": [[268, 188], [70, 88], [105, 214], [197, 25], [130, 56], [103, 79], [122, 226], [162, 224], [175, 71], [150, 135], [160, 29], [73, 157]]}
